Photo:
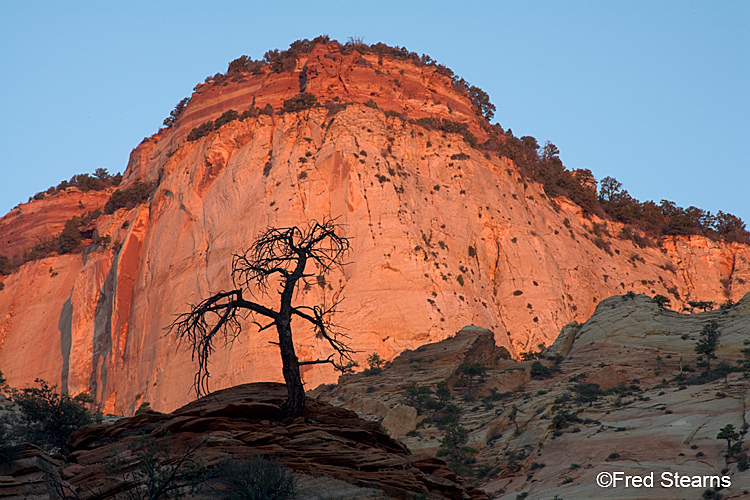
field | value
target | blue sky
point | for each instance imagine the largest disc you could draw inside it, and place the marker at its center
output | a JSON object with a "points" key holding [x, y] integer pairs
{"points": [[654, 93]]}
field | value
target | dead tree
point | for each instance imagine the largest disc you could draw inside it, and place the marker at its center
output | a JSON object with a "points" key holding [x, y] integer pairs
{"points": [[280, 258]]}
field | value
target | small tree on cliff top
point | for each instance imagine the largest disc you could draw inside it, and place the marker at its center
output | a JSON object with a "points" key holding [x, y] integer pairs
{"points": [[279, 257]]}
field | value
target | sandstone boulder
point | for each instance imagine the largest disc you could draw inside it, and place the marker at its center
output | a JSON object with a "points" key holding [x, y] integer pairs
{"points": [[400, 420]]}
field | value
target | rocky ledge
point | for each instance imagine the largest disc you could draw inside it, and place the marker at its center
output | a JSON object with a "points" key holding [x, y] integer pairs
{"points": [[331, 451]]}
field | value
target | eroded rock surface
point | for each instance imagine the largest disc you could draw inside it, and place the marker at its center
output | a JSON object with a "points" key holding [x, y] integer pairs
{"points": [[443, 235]]}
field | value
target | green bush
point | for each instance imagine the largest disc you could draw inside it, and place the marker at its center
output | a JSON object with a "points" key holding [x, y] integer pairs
{"points": [[453, 448], [10, 449], [481, 101], [661, 300], [563, 418], [256, 478], [300, 102], [201, 130], [417, 396], [375, 363], [588, 393], [48, 419], [41, 249], [471, 373], [227, 117], [129, 197], [70, 237], [539, 371], [175, 113], [6, 265]]}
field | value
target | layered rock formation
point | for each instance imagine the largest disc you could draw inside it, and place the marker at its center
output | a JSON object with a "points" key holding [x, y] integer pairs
{"points": [[442, 235], [547, 434], [331, 450]]}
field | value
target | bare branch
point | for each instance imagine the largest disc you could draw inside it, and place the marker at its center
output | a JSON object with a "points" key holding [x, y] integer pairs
{"points": [[324, 328], [280, 251], [212, 319], [329, 359]]}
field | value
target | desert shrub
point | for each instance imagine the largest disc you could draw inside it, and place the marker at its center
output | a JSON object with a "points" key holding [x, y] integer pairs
{"points": [[416, 396], [494, 395], [539, 371], [375, 365], [445, 415], [450, 127], [300, 102], [68, 241], [201, 130], [6, 265], [443, 392], [251, 112], [175, 113], [70, 237], [129, 197], [532, 354], [155, 469], [471, 373], [85, 182], [481, 101], [661, 300], [227, 117], [564, 418], [587, 393], [453, 448], [41, 249], [10, 449], [711, 494], [256, 478], [48, 419], [335, 107]]}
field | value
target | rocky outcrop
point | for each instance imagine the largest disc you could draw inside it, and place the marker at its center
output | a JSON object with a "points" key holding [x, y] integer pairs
{"points": [[442, 236], [621, 392], [328, 442]]}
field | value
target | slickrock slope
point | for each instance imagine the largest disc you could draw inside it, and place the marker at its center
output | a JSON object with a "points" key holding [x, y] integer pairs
{"points": [[443, 235], [644, 415], [333, 452]]}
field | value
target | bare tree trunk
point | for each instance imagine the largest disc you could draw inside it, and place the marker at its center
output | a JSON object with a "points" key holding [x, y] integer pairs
{"points": [[294, 406]]}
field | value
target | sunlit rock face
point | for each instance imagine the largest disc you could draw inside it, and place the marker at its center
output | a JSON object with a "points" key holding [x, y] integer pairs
{"points": [[442, 235]]}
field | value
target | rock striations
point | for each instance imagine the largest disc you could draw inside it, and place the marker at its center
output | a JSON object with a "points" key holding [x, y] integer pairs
{"points": [[330, 449], [443, 235]]}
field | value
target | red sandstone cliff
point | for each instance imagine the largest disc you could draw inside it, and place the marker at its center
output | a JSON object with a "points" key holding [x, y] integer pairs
{"points": [[442, 236]]}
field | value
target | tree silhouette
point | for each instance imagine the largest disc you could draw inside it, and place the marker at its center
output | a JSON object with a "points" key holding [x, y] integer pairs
{"points": [[283, 258]]}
